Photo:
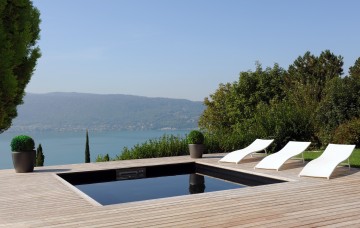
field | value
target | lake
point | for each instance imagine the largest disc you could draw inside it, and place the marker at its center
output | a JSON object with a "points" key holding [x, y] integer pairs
{"points": [[69, 147]]}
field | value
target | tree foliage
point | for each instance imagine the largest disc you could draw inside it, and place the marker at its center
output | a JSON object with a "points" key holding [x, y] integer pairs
{"points": [[306, 102], [233, 104], [40, 157], [348, 132], [87, 148], [19, 33], [354, 71], [103, 158]]}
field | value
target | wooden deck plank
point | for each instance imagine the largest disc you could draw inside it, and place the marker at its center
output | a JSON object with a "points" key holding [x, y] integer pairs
{"points": [[39, 199]]}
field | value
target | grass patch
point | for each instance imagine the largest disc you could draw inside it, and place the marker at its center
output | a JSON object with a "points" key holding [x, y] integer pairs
{"points": [[354, 158]]}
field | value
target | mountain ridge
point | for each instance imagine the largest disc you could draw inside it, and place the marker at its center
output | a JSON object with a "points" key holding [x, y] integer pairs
{"points": [[70, 111]]}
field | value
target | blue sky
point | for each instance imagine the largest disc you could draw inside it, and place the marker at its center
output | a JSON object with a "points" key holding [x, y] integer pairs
{"points": [[182, 48]]}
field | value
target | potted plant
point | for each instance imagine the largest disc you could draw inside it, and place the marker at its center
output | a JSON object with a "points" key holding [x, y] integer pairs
{"points": [[195, 140], [23, 153]]}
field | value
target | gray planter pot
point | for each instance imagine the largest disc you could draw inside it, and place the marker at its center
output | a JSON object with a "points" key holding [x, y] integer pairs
{"points": [[24, 161], [196, 150]]}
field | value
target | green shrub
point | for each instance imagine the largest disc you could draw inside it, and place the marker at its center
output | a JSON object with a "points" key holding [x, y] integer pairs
{"points": [[195, 137], [103, 158], [238, 137], [212, 144], [165, 146], [348, 133], [40, 157], [22, 143], [283, 122]]}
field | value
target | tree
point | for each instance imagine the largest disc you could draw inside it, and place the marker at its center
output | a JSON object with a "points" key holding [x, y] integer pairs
{"points": [[314, 83], [87, 148], [354, 71], [40, 158], [348, 132], [19, 33], [308, 75], [229, 110], [340, 103], [306, 102], [217, 115], [354, 83], [233, 102], [311, 74], [309, 68], [282, 121]]}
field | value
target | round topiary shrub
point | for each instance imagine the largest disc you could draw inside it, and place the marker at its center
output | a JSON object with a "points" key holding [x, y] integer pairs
{"points": [[22, 143], [195, 137], [348, 133]]}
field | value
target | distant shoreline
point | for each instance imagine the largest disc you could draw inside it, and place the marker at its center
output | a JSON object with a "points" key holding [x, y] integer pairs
{"points": [[76, 112], [22, 130]]}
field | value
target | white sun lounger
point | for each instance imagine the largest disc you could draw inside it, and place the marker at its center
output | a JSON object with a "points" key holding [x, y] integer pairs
{"points": [[276, 160], [256, 146], [325, 165]]}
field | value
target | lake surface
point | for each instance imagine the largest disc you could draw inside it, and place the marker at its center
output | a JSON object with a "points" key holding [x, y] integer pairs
{"points": [[69, 147]]}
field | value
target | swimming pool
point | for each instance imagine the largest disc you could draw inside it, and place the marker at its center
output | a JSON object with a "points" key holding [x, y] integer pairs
{"points": [[143, 183]]}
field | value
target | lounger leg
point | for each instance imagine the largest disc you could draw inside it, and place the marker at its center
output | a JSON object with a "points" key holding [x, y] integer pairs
{"points": [[303, 157], [349, 163]]}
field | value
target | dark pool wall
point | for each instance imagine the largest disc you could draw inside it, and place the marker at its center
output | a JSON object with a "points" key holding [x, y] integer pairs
{"points": [[78, 178]]}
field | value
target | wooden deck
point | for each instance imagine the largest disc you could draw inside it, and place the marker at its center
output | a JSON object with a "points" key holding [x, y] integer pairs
{"points": [[41, 199]]}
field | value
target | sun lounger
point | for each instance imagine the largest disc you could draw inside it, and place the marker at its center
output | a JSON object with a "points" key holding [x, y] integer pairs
{"points": [[238, 155], [276, 160], [325, 165]]}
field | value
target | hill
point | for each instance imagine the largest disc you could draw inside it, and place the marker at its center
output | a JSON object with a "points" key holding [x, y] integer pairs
{"points": [[79, 111]]}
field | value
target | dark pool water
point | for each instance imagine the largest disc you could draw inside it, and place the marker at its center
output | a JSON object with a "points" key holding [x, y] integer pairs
{"points": [[124, 191]]}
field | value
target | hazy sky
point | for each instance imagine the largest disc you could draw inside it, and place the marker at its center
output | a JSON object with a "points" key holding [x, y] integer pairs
{"points": [[182, 48]]}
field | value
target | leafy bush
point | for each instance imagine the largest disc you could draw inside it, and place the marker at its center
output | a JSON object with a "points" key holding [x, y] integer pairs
{"points": [[195, 137], [212, 144], [233, 138], [284, 122], [281, 121], [218, 143], [101, 158], [22, 143], [348, 133], [237, 139], [165, 146], [40, 157]]}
